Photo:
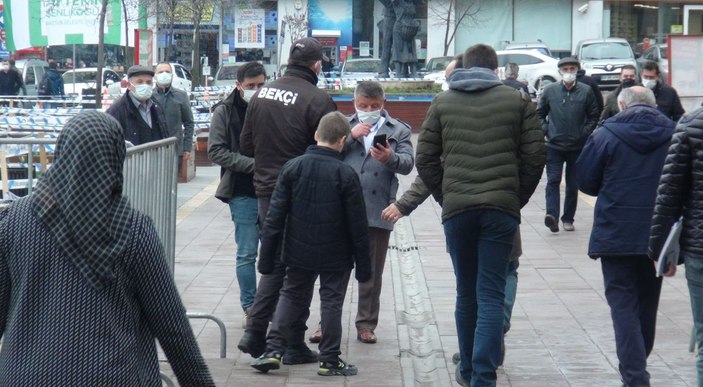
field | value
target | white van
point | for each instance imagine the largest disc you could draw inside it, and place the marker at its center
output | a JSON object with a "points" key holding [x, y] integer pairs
{"points": [[32, 71], [181, 77]]}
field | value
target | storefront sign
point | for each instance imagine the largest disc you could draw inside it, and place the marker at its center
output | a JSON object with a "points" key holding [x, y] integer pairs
{"points": [[249, 28], [41, 23], [677, 28]]}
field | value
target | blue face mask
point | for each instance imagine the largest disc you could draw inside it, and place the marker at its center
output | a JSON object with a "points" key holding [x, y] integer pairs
{"points": [[143, 92]]}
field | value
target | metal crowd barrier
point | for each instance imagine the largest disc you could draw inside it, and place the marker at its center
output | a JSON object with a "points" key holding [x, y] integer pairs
{"points": [[150, 180]]}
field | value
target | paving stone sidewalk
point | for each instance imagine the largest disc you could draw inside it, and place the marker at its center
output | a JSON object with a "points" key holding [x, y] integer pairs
{"points": [[561, 331]]}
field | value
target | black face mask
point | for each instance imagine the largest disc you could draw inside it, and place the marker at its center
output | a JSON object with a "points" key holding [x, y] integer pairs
{"points": [[628, 83]]}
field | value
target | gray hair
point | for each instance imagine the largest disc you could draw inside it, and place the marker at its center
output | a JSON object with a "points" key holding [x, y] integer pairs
{"points": [[511, 70], [636, 95], [369, 89]]}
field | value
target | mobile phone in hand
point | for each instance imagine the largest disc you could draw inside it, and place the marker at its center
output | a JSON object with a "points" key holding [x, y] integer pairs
{"points": [[379, 139]]}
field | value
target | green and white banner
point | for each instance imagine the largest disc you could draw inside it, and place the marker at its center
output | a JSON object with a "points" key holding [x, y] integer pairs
{"points": [[41, 23]]}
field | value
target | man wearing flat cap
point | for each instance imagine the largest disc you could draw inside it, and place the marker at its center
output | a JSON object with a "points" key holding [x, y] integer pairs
{"points": [[141, 117], [280, 124], [569, 113]]}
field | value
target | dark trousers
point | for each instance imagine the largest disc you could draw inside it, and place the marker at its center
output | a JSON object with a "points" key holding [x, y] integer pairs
{"points": [[267, 293], [294, 305], [632, 290], [480, 242], [370, 291], [555, 165]]}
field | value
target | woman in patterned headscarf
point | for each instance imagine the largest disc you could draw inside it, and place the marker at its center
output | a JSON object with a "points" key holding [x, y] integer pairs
{"points": [[84, 285]]}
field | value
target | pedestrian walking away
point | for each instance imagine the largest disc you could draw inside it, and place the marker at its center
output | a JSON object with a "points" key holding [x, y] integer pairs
{"points": [[236, 186], [620, 165], [325, 236], [85, 288], [280, 124], [569, 113], [678, 196], [480, 211]]}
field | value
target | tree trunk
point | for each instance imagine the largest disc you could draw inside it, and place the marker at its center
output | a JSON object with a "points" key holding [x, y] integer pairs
{"points": [[196, 69], [169, 38], [446, 30], [101, 56], [128, 55]]}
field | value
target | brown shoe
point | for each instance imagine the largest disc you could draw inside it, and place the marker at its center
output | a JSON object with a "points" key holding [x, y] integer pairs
{"points": [[366, 336], [317, 336]]}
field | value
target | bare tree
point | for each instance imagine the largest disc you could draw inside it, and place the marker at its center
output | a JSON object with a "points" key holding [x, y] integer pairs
{"points": [[197, 9], [453, 14]]}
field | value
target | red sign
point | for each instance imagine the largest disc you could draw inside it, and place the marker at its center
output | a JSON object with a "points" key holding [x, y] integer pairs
{"points": [[327, 40]]}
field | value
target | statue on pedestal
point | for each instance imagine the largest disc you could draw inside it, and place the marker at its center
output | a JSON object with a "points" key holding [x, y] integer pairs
{"points": [[386, 28], [405, 28]]}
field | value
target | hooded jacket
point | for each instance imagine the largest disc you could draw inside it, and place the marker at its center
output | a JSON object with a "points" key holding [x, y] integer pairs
{"points": [[620, 164], [680, 191], [280, 123], [56, 86], [568, 116], [482, 143]]}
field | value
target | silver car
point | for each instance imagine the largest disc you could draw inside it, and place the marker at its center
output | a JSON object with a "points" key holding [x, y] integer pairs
{"points": [[603, 59]]}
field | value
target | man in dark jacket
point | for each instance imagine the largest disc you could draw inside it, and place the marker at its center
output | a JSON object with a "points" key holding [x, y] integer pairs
{"points": [[628, 78], [668, 101], [679, 196], [176, 106], [488, 163], [511, 71], [569, 113], [51, 85], [324, 236], [236, 186], [10, 82], [280, 124], [141, 117], [593, 84], [621, 164]]}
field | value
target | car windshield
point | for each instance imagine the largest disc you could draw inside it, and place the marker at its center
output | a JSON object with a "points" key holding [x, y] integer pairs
{"points": [[227, 73], [439, 64], [362, 66], [606, 51], [80, 77]]}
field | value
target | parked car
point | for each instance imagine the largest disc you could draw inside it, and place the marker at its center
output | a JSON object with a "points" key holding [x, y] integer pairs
{"points": [[355, 70], [75, 81], [182, 79], [435, 65], [656, 53], [32, 71], [227, 74], [539, 46], [603, 59], [537, 69]]}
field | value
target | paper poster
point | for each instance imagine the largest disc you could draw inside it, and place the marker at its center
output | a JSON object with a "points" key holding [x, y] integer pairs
{"points": [[249, 28]]}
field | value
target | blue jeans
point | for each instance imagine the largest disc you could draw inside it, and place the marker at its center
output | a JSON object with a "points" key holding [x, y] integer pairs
{"points": [[555, 165], [480, 242], [694, 277], [510, 292], [246, 236]]}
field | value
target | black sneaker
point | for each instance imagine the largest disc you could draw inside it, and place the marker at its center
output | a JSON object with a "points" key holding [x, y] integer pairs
{"points": [[551, 222], [337, 368], [252, 344], [456, 358], [299, 355], [268, 361], [460, 379]]}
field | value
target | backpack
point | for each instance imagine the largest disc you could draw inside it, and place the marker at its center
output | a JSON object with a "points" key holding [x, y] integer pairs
{"points": [[44, 87]]}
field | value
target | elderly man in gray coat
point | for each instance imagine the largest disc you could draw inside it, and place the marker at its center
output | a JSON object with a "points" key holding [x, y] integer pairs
{"points": [[176, 106], [376, 163]]}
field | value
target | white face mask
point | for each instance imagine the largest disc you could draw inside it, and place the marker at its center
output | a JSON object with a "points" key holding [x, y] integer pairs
{"points": [[370, 118], [649, 83], [568, 77], [142, 92], [247, 94], [164, 78]]}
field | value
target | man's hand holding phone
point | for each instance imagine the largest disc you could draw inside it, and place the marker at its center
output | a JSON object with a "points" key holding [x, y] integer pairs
{"points": [[380, 149]]}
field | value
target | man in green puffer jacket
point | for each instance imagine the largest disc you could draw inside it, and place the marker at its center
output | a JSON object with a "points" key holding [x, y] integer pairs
{"points": [[482, 143]]}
